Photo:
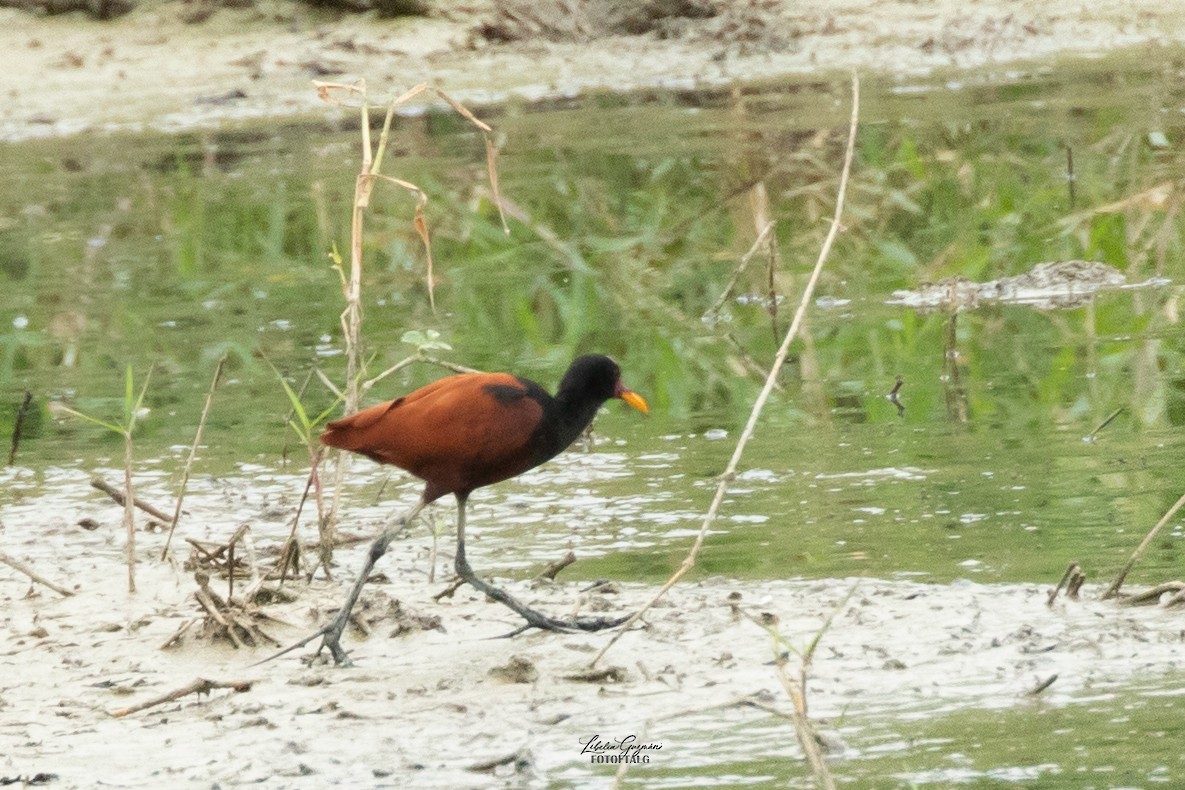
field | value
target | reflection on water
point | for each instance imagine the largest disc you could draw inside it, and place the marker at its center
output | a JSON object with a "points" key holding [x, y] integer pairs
{"points": [[171, 251]]}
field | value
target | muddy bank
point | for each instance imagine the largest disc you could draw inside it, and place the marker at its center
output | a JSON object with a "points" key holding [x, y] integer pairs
{"points": [[151, 70], [455, 706]]}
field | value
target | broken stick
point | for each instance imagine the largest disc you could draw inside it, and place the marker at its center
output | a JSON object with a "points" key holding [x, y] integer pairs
{"points": [[556, 566], [199, 687], [32, 574], [117, 495]]}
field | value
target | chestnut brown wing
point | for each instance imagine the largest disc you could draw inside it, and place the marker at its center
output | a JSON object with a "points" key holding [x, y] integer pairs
{"points": [[457, 434]]}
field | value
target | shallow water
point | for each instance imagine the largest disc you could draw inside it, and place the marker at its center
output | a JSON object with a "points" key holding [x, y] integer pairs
{"points": [[631, 214]]}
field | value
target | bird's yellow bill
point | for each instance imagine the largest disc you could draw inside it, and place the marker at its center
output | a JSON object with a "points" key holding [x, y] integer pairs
{"points": [[635, 400]]}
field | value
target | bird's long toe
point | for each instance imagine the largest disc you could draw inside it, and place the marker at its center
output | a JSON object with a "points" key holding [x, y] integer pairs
{"points": [[566, 625], [597, 623]]}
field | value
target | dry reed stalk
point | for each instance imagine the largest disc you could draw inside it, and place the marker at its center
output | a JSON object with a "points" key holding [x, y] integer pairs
{"points": [[129, 501], [230, 560], [351, 318], [129, 512], [803, 729], [730, 472], [197, 439], [285, 558], [1113, 590], [623, 766], [1153, 595], [417, 357], [759, 201], [764, 234]]}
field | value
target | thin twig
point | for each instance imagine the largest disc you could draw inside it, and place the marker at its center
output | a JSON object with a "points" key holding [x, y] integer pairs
{"points": [[129, 513], [197, 439], [748, 360], [419, 356], [230, 560], [1153, 594], [740, 267], [283, 561], [1110, 418], [489, 766], [17, 565], [796, 689], [730, 472], [448, 592], [623, 766], [1113, 590], [750, 700]]}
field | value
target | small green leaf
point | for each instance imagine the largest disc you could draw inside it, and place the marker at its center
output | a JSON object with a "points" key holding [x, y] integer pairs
{"points": [[95, 420], [297, 406], [426, 340], [413, 337], [303, 434]]}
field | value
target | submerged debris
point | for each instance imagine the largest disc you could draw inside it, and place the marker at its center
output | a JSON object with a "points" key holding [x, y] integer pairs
{"points": [[1047, 286]]}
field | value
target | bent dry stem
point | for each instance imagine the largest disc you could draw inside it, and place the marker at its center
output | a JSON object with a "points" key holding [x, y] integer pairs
{"points": [[770, 382], [131, 414]]}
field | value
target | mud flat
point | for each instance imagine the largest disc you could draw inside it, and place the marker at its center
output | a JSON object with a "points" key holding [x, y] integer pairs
{"points": [[152, 70], [455, 706]]}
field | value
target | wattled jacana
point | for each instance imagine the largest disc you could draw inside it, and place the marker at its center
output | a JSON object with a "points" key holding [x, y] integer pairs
{"points": [[468, 431]]}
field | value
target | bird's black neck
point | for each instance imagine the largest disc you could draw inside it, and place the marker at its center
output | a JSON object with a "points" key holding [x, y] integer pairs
{"points": [[577, 413], [565, 417]]}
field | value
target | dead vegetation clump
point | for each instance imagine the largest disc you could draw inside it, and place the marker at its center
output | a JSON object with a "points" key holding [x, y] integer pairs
{"points": [[1168, 594], [234, 620]]}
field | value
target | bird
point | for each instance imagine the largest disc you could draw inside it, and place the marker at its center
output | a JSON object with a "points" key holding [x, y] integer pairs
{"points": [[468, 431]]}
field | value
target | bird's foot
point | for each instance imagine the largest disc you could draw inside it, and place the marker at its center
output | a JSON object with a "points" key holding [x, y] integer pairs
{"points": [[340, 657], [331, 638]]}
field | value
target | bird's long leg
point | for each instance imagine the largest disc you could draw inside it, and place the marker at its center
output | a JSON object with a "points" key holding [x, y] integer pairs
{"points": [[331, 634], [534, 619]]}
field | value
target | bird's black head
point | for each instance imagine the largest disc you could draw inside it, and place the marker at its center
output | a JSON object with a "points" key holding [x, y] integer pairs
{"points": [[594, 378]]}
